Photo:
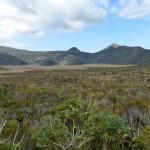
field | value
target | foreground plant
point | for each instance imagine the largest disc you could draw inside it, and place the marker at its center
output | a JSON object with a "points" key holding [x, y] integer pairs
{"points": [[7, 144], [143, 141], [80, 125]]}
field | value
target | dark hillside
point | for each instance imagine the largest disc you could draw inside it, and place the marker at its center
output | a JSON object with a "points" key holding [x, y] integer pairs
{"points": [[113, 54], [6, 59]]}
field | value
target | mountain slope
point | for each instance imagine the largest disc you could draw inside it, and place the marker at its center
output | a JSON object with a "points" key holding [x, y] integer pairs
{"points": [[30, 57], [6, 59], [123, 55], [113, 54], [75, 57]]}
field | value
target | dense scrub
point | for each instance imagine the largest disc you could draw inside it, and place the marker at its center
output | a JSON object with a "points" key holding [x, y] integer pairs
{"points": [[97, 108]]}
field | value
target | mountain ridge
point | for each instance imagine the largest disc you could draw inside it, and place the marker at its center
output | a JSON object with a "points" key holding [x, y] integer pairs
{"points": [[113, 54]]}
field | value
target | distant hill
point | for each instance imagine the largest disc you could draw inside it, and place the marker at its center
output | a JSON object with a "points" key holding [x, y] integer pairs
{"points": [[31, 57], [6, 59], [123, 55], [113, 54]]}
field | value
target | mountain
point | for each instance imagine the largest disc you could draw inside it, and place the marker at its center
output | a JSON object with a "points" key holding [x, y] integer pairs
{"points": [[6, 59], [113, 54], [113, 46], [74, 50], [31, 57]]}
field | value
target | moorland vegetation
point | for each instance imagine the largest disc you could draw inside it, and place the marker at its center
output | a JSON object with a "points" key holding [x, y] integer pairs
{"points": [[96, 108]]}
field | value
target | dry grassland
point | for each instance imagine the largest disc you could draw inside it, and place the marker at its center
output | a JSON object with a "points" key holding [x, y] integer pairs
{"points": [[21, 69]]}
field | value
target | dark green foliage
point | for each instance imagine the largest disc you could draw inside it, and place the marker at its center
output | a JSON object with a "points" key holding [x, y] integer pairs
{"points": [[143, 141], [81, 125], [9, 146], [2, 91], [111, 124], [50, 130]]}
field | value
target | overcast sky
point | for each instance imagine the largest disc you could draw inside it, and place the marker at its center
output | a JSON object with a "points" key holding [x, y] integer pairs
{"points": [[89, 25]]}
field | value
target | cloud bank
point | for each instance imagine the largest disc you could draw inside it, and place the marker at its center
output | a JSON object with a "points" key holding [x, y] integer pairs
{"points": [[38, 16]]}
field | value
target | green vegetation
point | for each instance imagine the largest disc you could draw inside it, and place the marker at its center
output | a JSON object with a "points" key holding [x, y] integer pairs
{"points": [[81, 125], [96, 108]]}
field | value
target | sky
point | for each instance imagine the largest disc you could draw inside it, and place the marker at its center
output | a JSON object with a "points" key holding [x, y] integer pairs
{"points": [[90, 25]]}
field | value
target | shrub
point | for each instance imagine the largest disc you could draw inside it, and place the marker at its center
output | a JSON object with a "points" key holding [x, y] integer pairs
{"points": [[80, 125], [143, 141], [2, 91]]}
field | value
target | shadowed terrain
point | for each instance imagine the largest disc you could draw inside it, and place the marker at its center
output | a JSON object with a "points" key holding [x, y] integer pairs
{"points": [[113, 54]]}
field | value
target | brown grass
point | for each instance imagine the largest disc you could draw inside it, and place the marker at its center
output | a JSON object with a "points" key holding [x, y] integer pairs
{"points": [[21, 69]]}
